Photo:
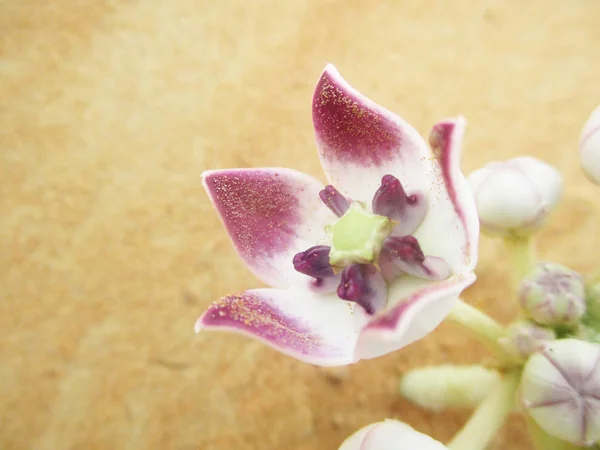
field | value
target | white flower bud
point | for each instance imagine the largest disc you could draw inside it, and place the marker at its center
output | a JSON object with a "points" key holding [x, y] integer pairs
{"points": [[390, 434], [515, 196], [448, 386], [560, 390], [553, 295], [589, 147], [525, 337]]}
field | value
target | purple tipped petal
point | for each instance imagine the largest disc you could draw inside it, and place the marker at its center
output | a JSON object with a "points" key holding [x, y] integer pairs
{"points": [[417, 311], [358, 140], [391, 200], [271, 214], [404, 255], [316, 329], [446, 141], [364, 285], [335, 201]]}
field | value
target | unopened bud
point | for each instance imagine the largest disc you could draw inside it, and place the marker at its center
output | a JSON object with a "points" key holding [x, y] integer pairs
{"points": [[525, 337], [560, 390], [589, 147], [553, 295], [390, 434], [448, 386], [515, 196]]}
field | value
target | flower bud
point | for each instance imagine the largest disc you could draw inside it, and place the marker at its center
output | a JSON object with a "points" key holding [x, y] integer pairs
{"points": [[448, 386], [553, 295], [589, 147], [515, 196], [560, 390], [390, 434], [525, 337]]}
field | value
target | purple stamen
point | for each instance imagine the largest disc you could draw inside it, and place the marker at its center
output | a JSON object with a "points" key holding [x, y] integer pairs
{"points": [[390, 198], [404, 255], [391, 201], [314, 262], [364, 285], [405, 248], [335, 201]]}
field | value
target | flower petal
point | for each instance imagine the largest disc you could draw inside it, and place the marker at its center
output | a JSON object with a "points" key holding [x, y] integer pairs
{"points": [[390, 435], [317, 329], [419, 307], [453, 234], [271, 214], [359, 141]]}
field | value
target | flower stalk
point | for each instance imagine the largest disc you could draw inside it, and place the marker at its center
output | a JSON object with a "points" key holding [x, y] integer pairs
{"points": [[489, 416], [485, 329], [521, 255]]}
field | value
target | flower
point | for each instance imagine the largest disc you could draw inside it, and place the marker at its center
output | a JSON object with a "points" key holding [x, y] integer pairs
{"points": [[553, 295], [365, 265], [515, 196], [589, 147], [560, 390], [390, 435]]}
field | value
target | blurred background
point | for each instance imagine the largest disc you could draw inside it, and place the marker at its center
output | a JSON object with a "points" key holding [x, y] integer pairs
{"points": [[109, 112]]}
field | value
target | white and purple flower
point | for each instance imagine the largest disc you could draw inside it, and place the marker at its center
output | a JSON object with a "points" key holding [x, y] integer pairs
{"points": [[365, 265], [390, 435]]}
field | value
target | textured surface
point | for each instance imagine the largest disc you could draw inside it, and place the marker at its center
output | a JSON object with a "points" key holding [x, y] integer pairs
{"points": [[110, 110]]}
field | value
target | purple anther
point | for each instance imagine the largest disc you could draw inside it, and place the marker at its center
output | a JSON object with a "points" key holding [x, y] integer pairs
{"points": [[405, 248], [390, 198], [314, 262], [364, 285], [391, 201], [404, 255], [335, 201]]}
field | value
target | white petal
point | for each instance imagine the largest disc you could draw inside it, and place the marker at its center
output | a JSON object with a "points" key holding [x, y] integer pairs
{"points": [[418, 307], [317, 329], [359, 141], [271, 214], [451, 229]]}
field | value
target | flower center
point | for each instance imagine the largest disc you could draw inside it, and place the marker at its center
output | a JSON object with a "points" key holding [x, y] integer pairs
{"points": [[370, 249], [357, 236]]}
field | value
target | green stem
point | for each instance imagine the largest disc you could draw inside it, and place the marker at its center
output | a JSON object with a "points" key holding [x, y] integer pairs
{"points": [[489, 416], [543, 441], [480, 325], [520, 249]]}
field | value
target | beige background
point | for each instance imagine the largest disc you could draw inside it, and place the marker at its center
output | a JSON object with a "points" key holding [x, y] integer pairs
{"points": [[110, 110]]}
